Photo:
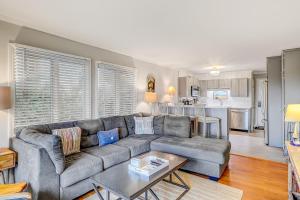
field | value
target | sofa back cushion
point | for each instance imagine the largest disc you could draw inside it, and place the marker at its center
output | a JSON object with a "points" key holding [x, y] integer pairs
{"points": [[89, 132], [116, 122], [61, 125], [179, 126], [130, 123], [70, 138], [44, 128], [158, 124]]}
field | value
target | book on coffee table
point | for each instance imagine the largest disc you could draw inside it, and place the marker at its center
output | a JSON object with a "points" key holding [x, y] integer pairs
{"points": [[147, 166]]}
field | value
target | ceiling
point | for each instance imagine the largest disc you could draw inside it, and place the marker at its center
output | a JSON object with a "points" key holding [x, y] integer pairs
{"points": [[189, 34]]}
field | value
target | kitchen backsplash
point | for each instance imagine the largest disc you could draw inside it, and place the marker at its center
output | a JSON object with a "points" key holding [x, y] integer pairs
{"points": [[234, 102]]}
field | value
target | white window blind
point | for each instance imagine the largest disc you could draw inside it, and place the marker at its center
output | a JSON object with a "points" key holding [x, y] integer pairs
{"points": [[115, 90], [50, 86]]}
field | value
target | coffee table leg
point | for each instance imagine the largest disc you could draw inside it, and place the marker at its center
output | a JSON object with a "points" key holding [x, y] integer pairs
{"points": [[153, 194], [182, 185], [97, 192], [107, 195]]}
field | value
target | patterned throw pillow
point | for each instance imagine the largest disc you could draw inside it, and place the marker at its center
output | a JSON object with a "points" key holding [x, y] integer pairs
{"points": [[108, 137], [144, 125], [70, 138]]}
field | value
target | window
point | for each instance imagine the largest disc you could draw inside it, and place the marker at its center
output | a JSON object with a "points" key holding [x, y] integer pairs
{"points": [[50, 86], [115, 90]]}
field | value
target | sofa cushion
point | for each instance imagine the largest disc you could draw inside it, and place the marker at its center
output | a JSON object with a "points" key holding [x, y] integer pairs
{"points": [[89, 131], [208, 149], [158, 124], [179, 126], [52, 144], [136, 146], [61, 125], [129, 119], [44, 128], [80, 166], [110, 154], [147, 137], [90, 127], [116, 122]]}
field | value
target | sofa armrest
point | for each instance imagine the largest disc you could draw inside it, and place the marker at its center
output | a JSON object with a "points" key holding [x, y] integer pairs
{"points": [[35, 167], [52, 144]]}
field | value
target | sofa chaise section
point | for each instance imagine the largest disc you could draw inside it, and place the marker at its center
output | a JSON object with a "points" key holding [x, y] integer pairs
{"points": [[206, 156]]}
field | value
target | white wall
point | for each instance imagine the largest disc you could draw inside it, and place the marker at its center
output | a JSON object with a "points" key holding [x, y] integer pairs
{"points": [[14, 33]]}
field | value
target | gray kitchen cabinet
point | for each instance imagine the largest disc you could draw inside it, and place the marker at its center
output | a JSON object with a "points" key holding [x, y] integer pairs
{"points": [[224, 83], [185, 84], [213, 84], [239, 87], [243, 87], [234, 89], [203, 88]]}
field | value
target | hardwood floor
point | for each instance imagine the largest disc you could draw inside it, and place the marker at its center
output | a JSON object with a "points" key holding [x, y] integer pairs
{"points": [[259, 179]]}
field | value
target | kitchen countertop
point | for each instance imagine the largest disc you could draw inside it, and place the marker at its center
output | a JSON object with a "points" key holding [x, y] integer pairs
{"points": [[220, 107]]}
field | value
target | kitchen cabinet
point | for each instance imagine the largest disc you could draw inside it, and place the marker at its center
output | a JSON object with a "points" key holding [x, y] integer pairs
{"points": [[239, 87], [185, 84], [203, 88], [213, 84], [224, 83]]}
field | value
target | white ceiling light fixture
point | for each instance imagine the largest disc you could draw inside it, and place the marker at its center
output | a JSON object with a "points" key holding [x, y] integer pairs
{"points": [[215, 71]]}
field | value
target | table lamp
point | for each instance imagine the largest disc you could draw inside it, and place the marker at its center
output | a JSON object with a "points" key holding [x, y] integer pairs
{"points": [[5, 98], [293, 115], [150, 97]]}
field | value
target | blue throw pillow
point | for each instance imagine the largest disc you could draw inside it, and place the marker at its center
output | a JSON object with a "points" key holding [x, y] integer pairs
{"points": [[108, 137]]}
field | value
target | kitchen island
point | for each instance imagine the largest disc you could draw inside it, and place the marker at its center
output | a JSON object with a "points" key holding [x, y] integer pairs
{"points": [[221, 112]]}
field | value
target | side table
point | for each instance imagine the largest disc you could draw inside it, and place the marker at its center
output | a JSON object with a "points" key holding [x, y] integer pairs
{"points": [[7, 161]]}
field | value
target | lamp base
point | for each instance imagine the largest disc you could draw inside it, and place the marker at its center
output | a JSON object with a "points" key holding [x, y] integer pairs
{"points": [[295, 142]]}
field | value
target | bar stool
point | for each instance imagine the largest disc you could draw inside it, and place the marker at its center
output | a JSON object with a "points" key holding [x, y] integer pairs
{"points": [[200, 112]]}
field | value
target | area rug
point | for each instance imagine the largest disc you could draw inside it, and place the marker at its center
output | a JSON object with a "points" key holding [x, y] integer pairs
{"points": [[201, 188]]}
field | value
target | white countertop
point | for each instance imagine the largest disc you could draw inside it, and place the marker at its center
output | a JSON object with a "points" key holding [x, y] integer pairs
{"points": [[220, 107]]}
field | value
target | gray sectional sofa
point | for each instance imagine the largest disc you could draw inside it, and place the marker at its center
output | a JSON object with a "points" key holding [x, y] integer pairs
{"points": [[53, 176]]}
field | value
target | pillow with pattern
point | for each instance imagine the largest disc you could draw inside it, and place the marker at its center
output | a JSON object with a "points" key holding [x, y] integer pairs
{"points": [[70, 138], [144, 125]]}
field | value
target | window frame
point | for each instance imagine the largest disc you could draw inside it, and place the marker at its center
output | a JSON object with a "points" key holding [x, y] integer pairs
{"points": [[12, 48], [95, 104]]}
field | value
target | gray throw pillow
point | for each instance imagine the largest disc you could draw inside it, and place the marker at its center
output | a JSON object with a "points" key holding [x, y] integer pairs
{"points": [[179, 126]]}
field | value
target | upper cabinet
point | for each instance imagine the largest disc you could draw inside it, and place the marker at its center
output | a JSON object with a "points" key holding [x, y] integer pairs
{"points": [[203, 88], [185, 84], [212, 84], [224, 83], [239, 87]]}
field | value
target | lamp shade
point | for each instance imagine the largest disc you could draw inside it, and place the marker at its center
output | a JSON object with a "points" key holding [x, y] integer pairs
{"points": [[292, 113], [5, 97], [150, 97], [171, 91]]}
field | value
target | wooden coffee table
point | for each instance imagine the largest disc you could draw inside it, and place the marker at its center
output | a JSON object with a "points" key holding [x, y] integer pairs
{"points": [[127, 185]]}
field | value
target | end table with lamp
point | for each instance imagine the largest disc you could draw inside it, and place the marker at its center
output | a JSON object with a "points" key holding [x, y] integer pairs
{"points": [[7, 157], [292, 115], [7, 161]]}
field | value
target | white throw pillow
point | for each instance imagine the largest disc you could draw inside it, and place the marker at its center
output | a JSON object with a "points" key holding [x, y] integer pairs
{"points": [[143, 125]]}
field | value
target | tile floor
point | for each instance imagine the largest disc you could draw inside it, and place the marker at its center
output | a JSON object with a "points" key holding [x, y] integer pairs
{"points": [[252, 145]]}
